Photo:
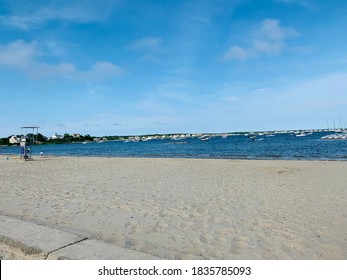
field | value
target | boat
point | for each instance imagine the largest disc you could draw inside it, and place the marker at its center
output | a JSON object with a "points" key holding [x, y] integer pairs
{"points": [[336, 136], [300, 135]]}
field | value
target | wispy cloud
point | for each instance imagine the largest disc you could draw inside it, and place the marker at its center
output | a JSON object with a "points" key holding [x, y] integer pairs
{"points": [[236, 52], [305, 3], [268, 38], [148, 43], [34, 15], [304, 104], [25, 57], [18, 54], [149, 47]]}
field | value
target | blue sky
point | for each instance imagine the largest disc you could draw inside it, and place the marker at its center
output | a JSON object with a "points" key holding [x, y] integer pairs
{"points": [[116, 67]]}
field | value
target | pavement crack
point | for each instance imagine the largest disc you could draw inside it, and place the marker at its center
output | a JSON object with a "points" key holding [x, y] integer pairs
{"points": [[67, 245]]}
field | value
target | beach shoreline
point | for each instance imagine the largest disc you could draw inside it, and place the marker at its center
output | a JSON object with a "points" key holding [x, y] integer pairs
{"points": [[186, 208]]}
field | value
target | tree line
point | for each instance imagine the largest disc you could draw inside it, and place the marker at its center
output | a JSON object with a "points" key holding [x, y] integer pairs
{"points": [[41, 139]]}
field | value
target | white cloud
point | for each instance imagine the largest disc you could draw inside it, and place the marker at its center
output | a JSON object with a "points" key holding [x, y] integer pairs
{"points": [[148, 43], [37, 13], [268, 38], [304, 104], [18, 53], [270, 29], [149, 48], [25, 57], [104, 69], [236, 52]]}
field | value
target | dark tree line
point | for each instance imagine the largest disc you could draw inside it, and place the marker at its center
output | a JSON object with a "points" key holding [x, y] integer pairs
{"points": [[41, 139]]}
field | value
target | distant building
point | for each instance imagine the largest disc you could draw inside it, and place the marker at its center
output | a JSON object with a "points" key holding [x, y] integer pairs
{"points": [[56, 136], [76, 135], [14, 140]]}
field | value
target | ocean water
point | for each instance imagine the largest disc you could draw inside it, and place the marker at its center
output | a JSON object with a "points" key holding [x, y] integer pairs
{"points": [[280, 146]]}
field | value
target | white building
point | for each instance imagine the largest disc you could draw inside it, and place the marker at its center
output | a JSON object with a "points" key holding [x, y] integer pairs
{"points": [[14, 140], [56, 136]]}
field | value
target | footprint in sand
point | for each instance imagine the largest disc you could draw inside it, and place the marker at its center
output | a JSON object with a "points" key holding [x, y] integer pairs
{"points": [[238, 244], [225, 232], [129, 243], [160, 226], [203, 238], [132, 226]]}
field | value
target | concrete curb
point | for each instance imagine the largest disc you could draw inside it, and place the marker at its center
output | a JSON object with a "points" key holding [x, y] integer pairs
{"points": [[56, 244]]}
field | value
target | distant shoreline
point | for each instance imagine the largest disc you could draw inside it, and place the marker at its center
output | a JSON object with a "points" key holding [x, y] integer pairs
{"points": [[174, 134], [308, 146]]}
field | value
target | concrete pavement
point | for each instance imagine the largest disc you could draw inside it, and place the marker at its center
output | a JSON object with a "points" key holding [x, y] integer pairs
{"points": [[43, 242]]}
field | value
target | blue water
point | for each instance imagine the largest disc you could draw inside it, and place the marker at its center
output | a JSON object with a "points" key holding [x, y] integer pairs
{"points": [[281, 146]]}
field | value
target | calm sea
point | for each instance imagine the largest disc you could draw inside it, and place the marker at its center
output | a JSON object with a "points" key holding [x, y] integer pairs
{"points": [[280, 146]]}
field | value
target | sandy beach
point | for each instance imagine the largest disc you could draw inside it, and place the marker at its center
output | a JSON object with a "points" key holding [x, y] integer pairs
{"points": [[186, 208]]}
